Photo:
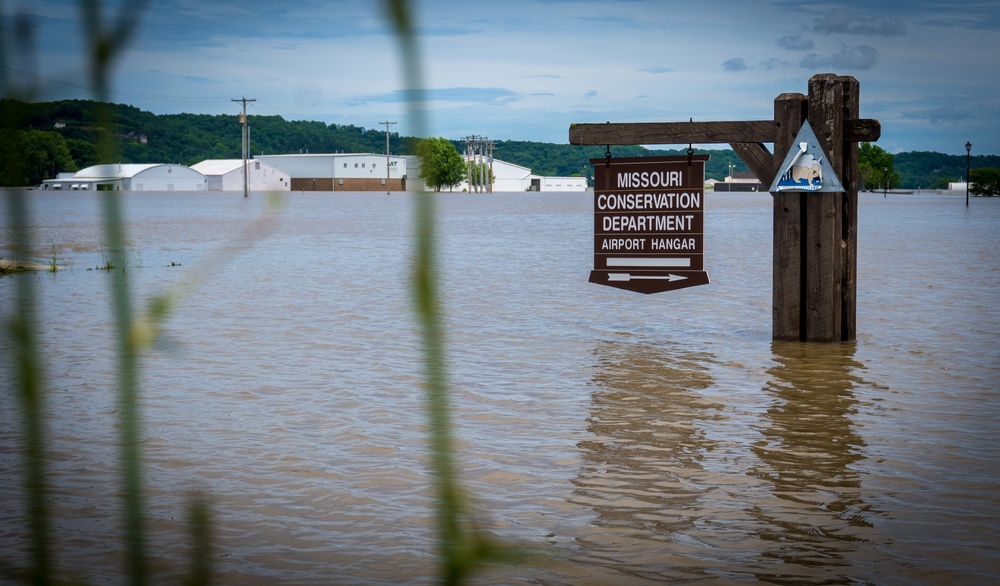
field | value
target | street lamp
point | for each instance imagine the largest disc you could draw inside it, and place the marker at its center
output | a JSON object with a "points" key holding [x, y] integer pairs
{"points": [[968, 158], [885, 188]]}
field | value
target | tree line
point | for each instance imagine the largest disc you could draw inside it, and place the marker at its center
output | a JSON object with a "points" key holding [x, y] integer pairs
{"points": [[48, 138]]}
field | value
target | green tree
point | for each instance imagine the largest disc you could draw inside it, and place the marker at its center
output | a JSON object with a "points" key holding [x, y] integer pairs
{"points": [[440, 163], [984, 181], [30, 157], [84, 153], [875, 168], [943, 182]]}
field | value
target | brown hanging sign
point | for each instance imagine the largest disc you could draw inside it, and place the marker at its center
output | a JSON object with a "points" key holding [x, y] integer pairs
{"points": [[649, 220]]}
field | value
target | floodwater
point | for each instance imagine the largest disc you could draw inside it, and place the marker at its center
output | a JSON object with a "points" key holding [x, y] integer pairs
{"points": [[633, 439]]}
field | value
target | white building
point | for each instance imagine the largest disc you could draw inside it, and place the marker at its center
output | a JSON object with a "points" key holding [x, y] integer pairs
{"points": [[511, 177], [368, 172], [227, 175], [130, 177], [740, 181], [341, 171]]}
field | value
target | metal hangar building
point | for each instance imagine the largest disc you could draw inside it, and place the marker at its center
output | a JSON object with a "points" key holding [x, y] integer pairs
{"points": [[341, 171], [130, 177], [227, 175]]}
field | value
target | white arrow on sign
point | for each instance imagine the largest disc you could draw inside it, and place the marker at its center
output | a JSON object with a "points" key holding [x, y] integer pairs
{"points": [[629, 277]]}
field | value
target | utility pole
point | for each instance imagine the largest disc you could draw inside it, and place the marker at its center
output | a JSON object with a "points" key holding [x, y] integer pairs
{"points": [[482, 164], [474, 177], [479, 151], [246, 144], [468, 161], [387, 125]]}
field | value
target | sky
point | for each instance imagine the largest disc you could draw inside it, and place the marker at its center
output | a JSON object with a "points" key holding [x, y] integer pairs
{"points": [[929, 71]]}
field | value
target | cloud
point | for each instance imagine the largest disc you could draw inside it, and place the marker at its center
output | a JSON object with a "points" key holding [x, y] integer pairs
{"points": [[845, 21], [657, 70], [741, 64], [795, 43], [860, 58], [199, 79], [487, 96], [735, 64], [590, 94], [938, 115], [772, 63]]}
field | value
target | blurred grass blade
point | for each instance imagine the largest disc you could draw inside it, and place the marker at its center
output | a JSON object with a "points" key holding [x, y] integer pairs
{"points": [[104, 47], [461, 546], [27, 372], [199, 521]]}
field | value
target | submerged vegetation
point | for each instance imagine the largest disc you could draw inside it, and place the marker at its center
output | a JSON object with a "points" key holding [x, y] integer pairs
{"points": [[11, 267]]}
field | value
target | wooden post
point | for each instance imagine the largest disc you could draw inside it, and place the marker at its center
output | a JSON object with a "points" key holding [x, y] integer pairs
{"points": [[815, 234], [787, 294], [823, 252], [849, 212], [814, 296]]}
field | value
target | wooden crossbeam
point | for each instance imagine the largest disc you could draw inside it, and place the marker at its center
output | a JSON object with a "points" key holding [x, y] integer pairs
{"points": [[754, 131], [757, 158]]}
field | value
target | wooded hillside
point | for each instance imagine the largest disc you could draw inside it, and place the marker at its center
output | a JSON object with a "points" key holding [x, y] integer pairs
{"points": [[186, 139]]}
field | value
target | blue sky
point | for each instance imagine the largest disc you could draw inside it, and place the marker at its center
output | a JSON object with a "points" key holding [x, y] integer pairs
{"points": [[526, 69]]}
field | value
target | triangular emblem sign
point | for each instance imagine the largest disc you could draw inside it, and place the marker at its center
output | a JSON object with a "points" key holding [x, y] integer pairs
{"points": [[806, 167]]}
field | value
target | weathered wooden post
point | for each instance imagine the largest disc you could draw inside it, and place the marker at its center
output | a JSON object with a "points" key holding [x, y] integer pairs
{"points": [[814, 295]]}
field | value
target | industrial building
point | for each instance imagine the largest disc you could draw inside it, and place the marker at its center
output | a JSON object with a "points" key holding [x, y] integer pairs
{"points": [[511, 177], [129, 177], [302, 172], [227, 175], [367, 172], [341, 171]]}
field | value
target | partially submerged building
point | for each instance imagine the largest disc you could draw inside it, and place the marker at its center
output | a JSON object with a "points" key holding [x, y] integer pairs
{"points": [[341, 171], [302, 172], [227, 175], [130, 177], [740, 181], [508, 177], [511, 177]]}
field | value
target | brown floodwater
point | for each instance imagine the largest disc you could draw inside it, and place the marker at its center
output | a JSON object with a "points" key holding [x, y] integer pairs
{"points": [[633, 439]]}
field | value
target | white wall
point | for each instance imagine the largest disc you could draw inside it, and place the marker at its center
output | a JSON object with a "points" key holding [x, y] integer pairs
{"points": [[343, 166], [300, 165], [260, 175], [367, 167], [167, 178], [564, 184]]}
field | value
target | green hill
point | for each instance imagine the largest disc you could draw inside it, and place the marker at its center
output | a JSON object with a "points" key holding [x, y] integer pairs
{"points": [[55, 137]]}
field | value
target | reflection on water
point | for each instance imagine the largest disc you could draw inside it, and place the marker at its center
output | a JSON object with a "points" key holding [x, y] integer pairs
{"points": [[810, 453], [641, 472], [690, 504], [647, 439]]}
